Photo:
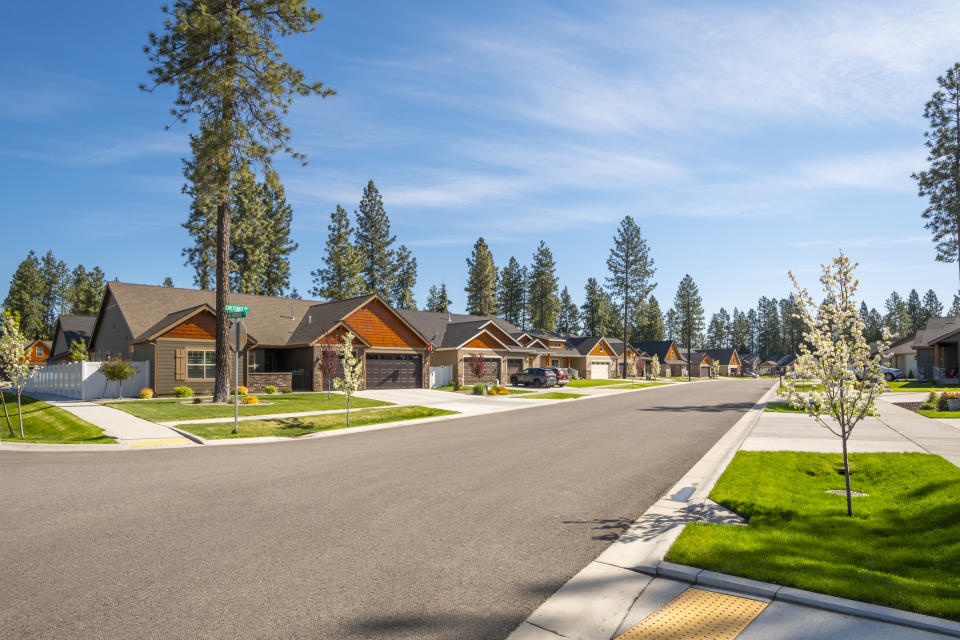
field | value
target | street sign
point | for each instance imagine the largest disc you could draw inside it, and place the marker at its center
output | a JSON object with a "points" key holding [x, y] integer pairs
{"points": [[235, 311], [238, 336]]}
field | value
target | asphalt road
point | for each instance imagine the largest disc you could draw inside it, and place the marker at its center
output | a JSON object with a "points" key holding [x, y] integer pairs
{"points": [[453, 530]]}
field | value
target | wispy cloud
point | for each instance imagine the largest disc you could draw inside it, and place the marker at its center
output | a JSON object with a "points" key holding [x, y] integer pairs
{"points": [[99, 154], [875, 241]]}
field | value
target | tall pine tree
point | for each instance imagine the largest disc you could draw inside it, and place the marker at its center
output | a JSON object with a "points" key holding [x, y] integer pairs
{"points": [[25, 297], [223, 59], [897, 319], [86, 290], [631, 270], [568, 320], [55, 292], [915, 310], [405, 279], [940, 183], [651, 325], [689, 310], [768, 326], [437, 299], [598, 316], [339, 277], [931, 308], [374, 242], [741, 337], [511, 293], [542, 301], [481, 286]]}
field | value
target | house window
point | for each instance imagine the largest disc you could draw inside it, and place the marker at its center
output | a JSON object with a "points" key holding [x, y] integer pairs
{"points": [[201, 365], [554, 363], [39, 351]]}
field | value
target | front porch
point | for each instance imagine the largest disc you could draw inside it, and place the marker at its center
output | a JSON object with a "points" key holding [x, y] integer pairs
{"points": [[282, 368]]}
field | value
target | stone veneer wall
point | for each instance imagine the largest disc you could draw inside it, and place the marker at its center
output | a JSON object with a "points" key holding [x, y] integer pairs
{"points": [[257, 381]]}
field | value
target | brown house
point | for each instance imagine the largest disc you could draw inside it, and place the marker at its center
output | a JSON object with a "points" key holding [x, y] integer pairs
{"points": [[673, 364], [37, 352], [729, 360], [174, 330]]}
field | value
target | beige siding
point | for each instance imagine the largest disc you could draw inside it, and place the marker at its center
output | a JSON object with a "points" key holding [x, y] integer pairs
{"points": [[166, 368]]}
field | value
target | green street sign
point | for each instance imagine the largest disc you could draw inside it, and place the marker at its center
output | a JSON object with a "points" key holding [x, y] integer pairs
{"points": [[235, 308], [236, 314]]}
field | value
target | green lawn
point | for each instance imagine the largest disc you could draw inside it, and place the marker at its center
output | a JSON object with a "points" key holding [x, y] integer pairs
{"points": [[581, 383], [782, 407], [170, 410], [45, 423], [289, 427], [940, 414], [901, 548], [918, 385], [557, 395]]}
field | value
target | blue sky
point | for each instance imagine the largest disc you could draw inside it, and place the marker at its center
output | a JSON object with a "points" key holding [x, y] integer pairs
{"points": [[747, 139]]}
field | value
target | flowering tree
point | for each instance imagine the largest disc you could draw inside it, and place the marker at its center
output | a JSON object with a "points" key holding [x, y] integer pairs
{"points": [[14, 366], [714, 367], [328, 364], [477, 365], [655, 367], [352, 371], [637, 364], [836, 357]]}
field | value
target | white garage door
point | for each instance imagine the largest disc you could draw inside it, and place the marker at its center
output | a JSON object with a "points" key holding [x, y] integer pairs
{"points": [[599, 370]]}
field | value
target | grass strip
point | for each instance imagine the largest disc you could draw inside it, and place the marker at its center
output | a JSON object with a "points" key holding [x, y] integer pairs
{"points": [[583, 383], [556, 395], [901, 549], [910, 386], [291, 427], [170, 410], [45, 423]]}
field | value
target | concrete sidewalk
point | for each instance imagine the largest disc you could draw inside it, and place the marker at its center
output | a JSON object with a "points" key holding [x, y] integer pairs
{"points": [[628, 583], [120, 425]]}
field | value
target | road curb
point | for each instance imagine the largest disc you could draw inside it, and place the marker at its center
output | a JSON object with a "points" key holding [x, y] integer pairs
{"points": [[835, 604]]}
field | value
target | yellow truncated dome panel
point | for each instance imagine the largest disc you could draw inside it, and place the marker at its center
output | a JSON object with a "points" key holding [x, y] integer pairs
{"points": [[697, 614]]}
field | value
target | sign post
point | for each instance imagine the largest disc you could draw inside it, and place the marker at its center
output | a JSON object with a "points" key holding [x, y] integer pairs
{"points": [[238, 335]]}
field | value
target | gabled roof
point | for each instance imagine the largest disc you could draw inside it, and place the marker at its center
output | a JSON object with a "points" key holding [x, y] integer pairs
{"points": [[321, 317], [659, 348], [171, 320], [903, 347], [937, 329], [435, 326], [752, 359], [695, 356], [617, 345], [723, 356], [46, 343], [69, 329]]}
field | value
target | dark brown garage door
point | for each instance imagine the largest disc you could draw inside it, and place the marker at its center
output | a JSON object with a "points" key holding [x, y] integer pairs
{"points": [[514, 365], [393, 371], [491, 371]]}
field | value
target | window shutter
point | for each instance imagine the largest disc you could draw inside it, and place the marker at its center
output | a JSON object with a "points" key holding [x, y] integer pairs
{"points": [[181, 368]]}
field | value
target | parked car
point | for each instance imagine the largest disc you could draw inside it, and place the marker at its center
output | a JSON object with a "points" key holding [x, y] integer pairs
{"points": [[536, 376], [562, 376], [891, 373], [749, 374]]}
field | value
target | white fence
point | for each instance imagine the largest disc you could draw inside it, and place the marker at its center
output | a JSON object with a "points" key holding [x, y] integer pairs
{"points": [[440, 376], [83, 381]]}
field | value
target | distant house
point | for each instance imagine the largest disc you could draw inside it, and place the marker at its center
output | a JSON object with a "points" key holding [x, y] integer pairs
{"points": [[673, 364], [937, 347], [903, 356], [750, 362], [37, 352], [640, 359], [728, 359], [698, 362], [70, 329], [777, 364]]}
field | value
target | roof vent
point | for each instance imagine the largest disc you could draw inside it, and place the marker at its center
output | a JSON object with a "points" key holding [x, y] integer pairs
{"points": [[310, 319], [293, 316]]}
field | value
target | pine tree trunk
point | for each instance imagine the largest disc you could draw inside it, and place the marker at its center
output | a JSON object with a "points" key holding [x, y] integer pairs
{"points": [[222, 384], [6, 414], [846, 475]]}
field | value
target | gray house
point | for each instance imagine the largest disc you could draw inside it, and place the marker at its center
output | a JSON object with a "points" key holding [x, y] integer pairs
{"points": [[937, 347]]}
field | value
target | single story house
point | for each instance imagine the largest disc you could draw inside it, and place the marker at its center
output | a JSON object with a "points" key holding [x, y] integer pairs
{"points": [[174, 331], [70, 329], [938, 349], [777, 364], [673, 364], [698, 362], [903, 356], [728, 359], [591, 357], [37, 352], [750, 362], [639, 359]]}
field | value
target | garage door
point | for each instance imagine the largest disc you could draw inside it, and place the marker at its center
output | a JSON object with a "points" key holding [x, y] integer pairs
{"points": [[491, 371], [393, 371], [599, 370], [514, 365]]}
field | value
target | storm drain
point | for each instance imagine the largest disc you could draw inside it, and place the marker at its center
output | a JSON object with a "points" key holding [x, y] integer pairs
{"points": [[697, 614], [843, 492]]}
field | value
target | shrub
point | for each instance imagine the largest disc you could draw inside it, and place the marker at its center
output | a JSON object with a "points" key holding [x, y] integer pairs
{"points": [[197, 401], [931, 403], [250, 400], [942, 402], [287, 390], [146, 393], [242, 391], [269, 389], [183, 392], [492, 391], [479, 389]]}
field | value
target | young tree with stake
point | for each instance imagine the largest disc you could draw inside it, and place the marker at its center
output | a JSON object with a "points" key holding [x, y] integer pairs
{"points": [[222, 57], [118, 371], [835, 354], [14, 366], [352, 371], [327, 363], [655, 366]]}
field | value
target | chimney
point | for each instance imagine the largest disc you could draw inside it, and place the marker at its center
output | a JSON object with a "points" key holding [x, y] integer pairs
{"points": [[293, 316]]}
